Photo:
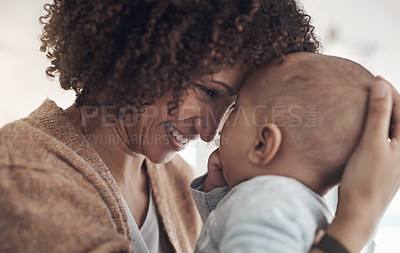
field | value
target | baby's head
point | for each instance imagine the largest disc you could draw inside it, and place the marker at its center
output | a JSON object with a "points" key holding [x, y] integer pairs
{"points": [[301, 118]]}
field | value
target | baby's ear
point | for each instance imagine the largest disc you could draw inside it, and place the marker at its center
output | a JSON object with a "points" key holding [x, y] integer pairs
{"points": [[266, 146]]}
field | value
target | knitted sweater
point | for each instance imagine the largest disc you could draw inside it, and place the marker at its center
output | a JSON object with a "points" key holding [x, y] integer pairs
{"points": [[56, 194]]}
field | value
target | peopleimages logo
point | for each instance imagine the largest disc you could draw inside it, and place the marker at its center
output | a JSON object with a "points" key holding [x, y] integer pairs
{"points": [[293, 116], [283, 116]]}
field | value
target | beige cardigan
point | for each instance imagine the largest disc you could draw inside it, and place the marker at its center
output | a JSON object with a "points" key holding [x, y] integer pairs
{"points": [[56, 194]]}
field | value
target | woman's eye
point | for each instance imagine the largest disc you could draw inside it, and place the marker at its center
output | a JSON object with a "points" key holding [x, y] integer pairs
{"points": [[209, 92]]}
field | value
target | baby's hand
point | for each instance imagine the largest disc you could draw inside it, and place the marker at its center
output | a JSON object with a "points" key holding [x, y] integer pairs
{"points": [[215, 177]]}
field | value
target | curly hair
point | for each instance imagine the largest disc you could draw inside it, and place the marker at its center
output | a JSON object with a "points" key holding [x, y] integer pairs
{"points": [[131, 52]]}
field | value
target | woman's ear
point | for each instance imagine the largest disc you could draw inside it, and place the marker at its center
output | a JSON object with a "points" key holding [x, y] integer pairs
{"points": [[266, 146]]}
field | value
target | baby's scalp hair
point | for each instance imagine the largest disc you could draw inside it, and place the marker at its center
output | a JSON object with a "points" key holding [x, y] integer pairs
{"points": [[130, 52], [335, 88]]}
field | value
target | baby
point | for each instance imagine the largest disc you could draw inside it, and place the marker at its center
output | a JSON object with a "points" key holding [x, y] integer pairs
{"points": [[283, 147]]}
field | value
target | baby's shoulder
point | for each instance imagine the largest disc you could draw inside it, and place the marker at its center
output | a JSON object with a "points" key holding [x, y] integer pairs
{"points": [[270, 193], [270, 186]]}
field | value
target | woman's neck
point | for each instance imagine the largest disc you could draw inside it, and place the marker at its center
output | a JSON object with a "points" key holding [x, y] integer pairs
{"points": [[109, 141], [126, 166]]}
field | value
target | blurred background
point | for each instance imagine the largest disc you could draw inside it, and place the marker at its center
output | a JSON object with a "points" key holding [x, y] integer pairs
{"points": [[366, 31]]}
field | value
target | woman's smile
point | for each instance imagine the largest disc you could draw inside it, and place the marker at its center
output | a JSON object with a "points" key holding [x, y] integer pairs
{"points": [[177, 139]]}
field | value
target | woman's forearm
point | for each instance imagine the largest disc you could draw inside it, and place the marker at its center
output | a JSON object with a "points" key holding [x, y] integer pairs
{"points": [[352, 229]]}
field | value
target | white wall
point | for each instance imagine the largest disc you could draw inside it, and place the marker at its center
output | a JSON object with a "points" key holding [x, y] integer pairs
{"points": [[366, 31], [23, 83]]}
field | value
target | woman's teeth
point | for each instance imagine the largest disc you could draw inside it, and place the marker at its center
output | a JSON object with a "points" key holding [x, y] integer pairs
{"points": [[182, 139]]}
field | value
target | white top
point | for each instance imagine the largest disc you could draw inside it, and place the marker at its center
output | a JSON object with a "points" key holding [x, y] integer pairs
{"points": [[147, 239]]}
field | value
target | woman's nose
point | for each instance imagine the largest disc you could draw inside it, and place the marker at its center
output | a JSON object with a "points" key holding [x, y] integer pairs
{"points": [[207, 126]]}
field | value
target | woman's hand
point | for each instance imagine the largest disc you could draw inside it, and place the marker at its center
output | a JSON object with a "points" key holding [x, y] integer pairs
{"points": [[215, 177], [372, 175]]}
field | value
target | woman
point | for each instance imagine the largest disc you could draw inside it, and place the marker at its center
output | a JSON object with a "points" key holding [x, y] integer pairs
{"points": [[150, 76]]}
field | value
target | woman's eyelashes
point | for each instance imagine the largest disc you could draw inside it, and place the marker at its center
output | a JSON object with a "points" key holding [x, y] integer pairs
{"points": [[209, 92]]}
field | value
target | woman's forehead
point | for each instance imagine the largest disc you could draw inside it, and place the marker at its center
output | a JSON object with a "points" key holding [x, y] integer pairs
{"points": [[231, 79]]}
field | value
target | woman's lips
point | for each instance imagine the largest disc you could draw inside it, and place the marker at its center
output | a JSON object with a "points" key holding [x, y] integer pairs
{"points": [[178, 141], [178, 136]]}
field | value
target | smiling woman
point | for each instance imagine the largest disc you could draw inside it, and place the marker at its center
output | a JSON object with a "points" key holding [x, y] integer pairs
{"points": [[157, 134]]}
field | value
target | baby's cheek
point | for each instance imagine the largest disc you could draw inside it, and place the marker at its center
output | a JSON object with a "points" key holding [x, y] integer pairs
{"points": [[224, 160]]}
